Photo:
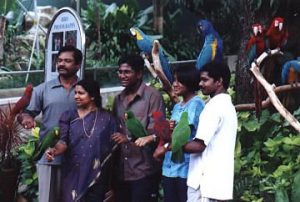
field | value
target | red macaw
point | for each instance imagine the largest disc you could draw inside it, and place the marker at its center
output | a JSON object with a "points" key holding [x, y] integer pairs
{"points": [[256, 44], [255, 47], [276, 34], [22, 103]]}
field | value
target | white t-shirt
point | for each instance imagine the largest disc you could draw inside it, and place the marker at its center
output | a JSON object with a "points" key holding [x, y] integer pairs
{"points": [[213, 169]]}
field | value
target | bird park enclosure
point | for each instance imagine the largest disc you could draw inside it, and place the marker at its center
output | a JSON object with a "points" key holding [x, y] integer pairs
{"points": [[267, 165]]}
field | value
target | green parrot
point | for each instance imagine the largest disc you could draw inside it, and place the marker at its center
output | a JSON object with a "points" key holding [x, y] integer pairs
{"points": [[180, 137], [49, 140], [134, 126]]}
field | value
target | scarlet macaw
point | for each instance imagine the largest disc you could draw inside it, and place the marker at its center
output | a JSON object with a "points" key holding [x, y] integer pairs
{"points": [[213, 45], [255, 47], [276, 34], [22, 103], [256, 44]]}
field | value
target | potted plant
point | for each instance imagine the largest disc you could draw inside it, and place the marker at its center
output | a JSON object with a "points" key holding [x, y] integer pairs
{"points": [[10, 139]]}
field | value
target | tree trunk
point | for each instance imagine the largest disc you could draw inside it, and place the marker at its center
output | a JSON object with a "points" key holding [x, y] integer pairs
{"points": [[244, 91], [2, 32], [158, 16]]}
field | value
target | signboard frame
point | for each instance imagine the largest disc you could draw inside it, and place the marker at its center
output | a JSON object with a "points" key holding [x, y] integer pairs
{"points": [[65, 29]]}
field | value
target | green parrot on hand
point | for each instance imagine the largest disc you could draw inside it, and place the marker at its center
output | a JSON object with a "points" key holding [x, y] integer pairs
{"points": [[180, 137], [49, 140], [134, 126]]}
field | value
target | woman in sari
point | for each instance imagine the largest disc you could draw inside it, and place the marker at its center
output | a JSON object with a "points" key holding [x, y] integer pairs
{"points": [[85, 141]]}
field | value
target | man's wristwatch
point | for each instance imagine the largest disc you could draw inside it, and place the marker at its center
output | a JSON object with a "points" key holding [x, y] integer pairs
{"points": [[166, 145]]}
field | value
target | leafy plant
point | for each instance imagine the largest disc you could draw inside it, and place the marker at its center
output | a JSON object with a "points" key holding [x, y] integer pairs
{"points": [[107, 28], [267, 163], [9, 139], [29, 177]]}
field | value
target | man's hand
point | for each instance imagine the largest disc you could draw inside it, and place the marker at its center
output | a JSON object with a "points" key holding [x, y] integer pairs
{"points": [[119, 138], [50, 153], [142, 141], [172, 124]]}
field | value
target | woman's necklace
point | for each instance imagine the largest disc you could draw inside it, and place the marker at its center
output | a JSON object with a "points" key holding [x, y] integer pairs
{"points": [[93, 128]]}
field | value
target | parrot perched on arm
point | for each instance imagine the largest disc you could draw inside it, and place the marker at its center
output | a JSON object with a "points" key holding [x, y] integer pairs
{"points": [[49, 140], [22, 103], [145, 43], [161, 128], [276, 34], [180, 137], [134, 126], [213, 45]]}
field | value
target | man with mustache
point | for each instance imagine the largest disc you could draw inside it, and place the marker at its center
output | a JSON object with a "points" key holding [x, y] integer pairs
{"points": [[51, 99]]}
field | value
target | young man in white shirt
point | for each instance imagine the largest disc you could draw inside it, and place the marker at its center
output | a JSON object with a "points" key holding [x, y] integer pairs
{"points": [[211, 169]]}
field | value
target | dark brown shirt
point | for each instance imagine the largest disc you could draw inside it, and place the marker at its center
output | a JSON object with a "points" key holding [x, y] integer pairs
{"points": [[137, 162]]}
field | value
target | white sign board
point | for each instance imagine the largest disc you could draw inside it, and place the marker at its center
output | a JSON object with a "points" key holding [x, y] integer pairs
{"points": [[65, 29]]}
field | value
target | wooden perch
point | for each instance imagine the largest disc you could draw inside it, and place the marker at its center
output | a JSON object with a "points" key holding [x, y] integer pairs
{"points": [[267, 102], [270, 90], [159, 71]]}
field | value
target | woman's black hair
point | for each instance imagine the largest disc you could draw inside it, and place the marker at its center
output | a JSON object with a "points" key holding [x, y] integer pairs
{"points": [[188, 76], [93, 89]]}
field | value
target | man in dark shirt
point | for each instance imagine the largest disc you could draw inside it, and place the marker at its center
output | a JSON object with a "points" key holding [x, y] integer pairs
{"points": [[139, 172]]}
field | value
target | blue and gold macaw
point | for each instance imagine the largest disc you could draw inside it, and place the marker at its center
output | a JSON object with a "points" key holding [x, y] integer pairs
{"points": [[145, 44], [290, 72], [213, 45]]}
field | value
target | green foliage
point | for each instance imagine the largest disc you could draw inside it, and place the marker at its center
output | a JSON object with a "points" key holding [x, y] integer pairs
{"points": [[167, 100], [29, 177], [7, 6], [267, 160], [113, 24]]}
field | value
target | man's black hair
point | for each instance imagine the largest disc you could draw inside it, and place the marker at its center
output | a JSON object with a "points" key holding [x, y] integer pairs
{"points": [[76, 53], [217, 71], [135, 61]]}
